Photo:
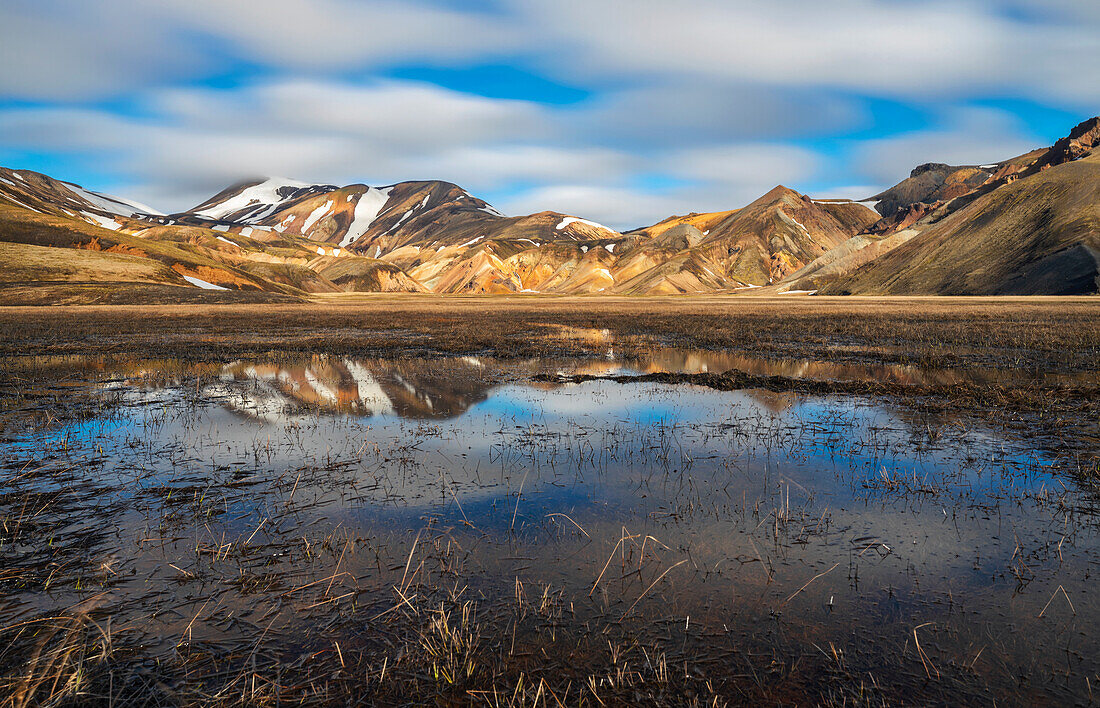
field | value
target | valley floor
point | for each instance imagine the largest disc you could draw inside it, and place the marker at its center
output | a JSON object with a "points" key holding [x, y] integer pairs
{"points": [[421, 500], [1047, 333]]}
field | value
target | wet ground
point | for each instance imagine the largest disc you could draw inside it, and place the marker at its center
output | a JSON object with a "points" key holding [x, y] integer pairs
{"points": [[551, 530]]}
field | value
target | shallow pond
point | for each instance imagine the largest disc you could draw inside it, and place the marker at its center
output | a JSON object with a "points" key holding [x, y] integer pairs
{"points": [[768, 545]]}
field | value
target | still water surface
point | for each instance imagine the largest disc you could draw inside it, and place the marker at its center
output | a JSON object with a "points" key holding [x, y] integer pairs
{"points": [[201, 504]]}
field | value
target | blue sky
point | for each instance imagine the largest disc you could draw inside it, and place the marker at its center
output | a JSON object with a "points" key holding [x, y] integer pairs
{"points": [[624, 112]]}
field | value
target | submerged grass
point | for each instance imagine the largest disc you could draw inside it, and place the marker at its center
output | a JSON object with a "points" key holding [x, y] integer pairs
{"points": [[149, 555]]}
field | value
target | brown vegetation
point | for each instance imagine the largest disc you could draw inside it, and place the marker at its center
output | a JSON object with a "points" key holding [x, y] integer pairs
{"points": [[1008, 332]]}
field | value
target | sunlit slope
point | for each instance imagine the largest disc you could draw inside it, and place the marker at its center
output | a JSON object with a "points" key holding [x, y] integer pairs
{"points": [[1039, 234], [772, 237], [1023, 225], [932, 197], [38, 246]]}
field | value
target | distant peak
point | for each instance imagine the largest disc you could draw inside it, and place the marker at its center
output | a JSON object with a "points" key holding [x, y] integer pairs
{"points": [[777, 193], [283, 182], [1085, 127], [780, 190], [929, 167], [259, 197]]}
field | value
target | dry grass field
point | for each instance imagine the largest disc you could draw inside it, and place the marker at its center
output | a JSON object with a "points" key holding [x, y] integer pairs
{"points": [[1054, 333], [1036, 328]]}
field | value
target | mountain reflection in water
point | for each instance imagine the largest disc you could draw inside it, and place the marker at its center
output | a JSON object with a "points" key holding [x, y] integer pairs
{"points": [[406, 388], [778, 521], [446, 388]]}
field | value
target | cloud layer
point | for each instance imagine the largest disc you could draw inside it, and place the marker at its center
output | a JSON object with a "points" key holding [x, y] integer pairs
{"points": [[693, 105]]}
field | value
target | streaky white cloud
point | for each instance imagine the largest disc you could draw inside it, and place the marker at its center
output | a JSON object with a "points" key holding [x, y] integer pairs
{"points": [[69, 49], [854, 192], [702, 110], [718, 179], [936, 48], [742, 165], [412, 114], [618, 207], [61, 50], [197, 141], [682, 91], [494, 166], [334, 34]]}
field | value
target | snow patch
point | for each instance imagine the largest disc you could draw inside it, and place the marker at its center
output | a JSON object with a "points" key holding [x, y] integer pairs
{"points": [[265, 194], [222, 227], [246, 232], [574, 220], [202, 283], [284, 224], [102, 221], [315, 216], [16, 201], [225, 240], [400, 221], [112, 205], [472, 241], [366, 211], [610, 247], [797, 223]]}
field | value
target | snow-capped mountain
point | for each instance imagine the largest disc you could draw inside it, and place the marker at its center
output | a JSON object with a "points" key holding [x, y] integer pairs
{"points": [[1021, 225], [251, 202], [46, 195], [326, 213]]}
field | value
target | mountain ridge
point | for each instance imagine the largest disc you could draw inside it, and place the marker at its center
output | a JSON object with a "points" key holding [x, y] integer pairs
{"points": [[275, 235]]}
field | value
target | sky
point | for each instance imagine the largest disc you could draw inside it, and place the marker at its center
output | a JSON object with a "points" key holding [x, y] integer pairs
{"points": [[622, 111]]}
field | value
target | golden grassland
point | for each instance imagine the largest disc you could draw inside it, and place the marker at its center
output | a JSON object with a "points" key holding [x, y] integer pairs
{"points": [[1055, 332], [23, 262]]}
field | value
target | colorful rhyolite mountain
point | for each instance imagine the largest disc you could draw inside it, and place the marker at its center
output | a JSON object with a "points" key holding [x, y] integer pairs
{"points": [[1030, 224]]}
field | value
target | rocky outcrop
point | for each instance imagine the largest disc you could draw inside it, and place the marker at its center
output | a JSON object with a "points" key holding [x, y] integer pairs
{"points": [[930, 183], [1080, 142]]}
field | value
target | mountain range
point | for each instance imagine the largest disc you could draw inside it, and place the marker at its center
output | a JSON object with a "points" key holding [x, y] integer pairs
{"points": [[1027, 225]]}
